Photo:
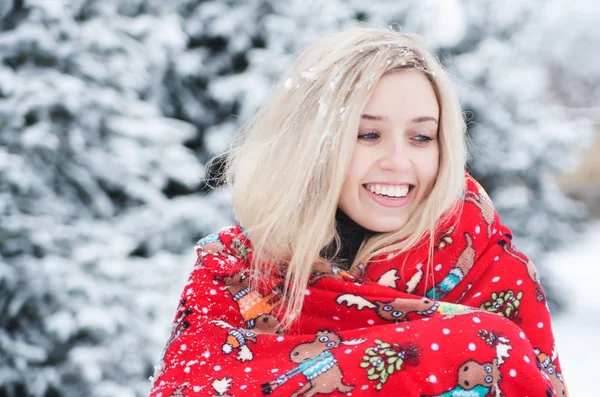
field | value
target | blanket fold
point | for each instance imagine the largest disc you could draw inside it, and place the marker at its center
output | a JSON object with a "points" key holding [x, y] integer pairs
{"points": [[480, 326]]}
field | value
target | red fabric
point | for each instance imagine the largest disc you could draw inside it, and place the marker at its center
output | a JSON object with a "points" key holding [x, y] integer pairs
{"points": [[482, 329]]}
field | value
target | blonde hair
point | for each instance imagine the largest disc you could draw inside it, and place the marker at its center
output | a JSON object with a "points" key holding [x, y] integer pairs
{"points": [[287, 170]]}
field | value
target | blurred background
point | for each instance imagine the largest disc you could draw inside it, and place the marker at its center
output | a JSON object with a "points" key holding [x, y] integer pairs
{"points": [[109, 110]]}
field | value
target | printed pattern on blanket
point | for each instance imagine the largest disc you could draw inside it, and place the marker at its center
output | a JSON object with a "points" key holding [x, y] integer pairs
{"points": [[480, 327]]}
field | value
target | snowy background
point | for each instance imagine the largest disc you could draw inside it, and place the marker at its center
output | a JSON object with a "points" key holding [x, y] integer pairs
{"points": [[109, 110]]}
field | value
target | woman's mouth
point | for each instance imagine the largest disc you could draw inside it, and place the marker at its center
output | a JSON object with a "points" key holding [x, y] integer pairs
{"points": [[389, 195]]}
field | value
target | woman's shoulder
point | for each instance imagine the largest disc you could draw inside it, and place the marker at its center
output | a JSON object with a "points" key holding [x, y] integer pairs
{"points": [[225, 251]]}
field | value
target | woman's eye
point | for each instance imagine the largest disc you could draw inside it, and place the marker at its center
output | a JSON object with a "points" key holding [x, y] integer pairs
{"points": [[422, 138], [369, 136]]}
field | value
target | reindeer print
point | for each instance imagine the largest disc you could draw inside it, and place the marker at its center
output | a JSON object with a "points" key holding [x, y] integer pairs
{"points": [[210, 245], [255, 309], [548, 365], [395, 310], [319, 366], [483, 202], [237, 338], [508, 247], [477, 379], [465, 262]]}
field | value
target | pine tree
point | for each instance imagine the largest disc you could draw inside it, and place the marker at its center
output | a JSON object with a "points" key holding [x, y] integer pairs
{"points": [[94, 196]]}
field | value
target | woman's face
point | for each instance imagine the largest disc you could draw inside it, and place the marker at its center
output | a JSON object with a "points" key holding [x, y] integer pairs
{"points": [[396, 158]]}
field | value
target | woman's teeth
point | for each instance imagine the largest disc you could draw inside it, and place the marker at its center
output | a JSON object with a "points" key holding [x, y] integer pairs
{"points": [[389, 190]]}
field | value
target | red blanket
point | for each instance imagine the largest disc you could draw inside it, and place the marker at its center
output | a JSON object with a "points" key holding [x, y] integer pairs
{"points": [[482, 328]]}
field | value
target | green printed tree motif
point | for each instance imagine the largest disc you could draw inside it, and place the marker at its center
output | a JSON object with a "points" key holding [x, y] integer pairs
{"points": [[504, 303], [383, 359]]}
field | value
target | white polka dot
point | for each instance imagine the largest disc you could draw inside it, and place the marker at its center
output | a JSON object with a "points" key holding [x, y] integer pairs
{"points": [[527, 360], [197, 389], [477, 229], [495, 279], [280, 339], [204, 310], [496, 259], [365, 387], [540, 325], [183, 347], [186, 370], [476, 320], [494, 231], [242, 387], [371, 322], [438, 267], [435, 346], [432, 379], [477, 294], [274, 370], [472, 347], [446, 331], [336, 318], [213, 292], [400, 329], [306, 292], [217, 367], [512, 373], [247, 369], [348, 351], [522, 335], [519, 282], [425, 319]]}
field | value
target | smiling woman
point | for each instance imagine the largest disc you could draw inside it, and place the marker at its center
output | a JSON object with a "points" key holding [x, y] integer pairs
{"points": [[395, 161], [365, 258]]}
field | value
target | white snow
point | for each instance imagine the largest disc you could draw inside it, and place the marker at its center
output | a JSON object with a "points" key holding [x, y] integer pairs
{"points": [[577, 330]]}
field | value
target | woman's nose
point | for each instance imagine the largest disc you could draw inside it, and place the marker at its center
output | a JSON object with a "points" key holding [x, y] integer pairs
{"points": [[395, 158]]}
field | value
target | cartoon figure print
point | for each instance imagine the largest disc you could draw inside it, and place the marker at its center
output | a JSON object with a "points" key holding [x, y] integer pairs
{"points": [[465, 262], [506, 244], [209, 245], [548, 365], [255, 309], [483, 202], [332, 272], [221, 386], [318, 364], [395, 310], [480, 379], [237, 338]]}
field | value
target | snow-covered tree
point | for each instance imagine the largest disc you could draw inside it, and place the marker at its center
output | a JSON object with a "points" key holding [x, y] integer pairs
{"points": [[91, 182]]}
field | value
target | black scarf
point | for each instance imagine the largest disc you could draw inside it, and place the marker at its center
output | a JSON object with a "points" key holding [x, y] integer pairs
{"points": [[352, 235]]}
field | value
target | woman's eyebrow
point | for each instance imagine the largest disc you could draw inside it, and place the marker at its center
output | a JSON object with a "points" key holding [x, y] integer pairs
{"points": [[424, 119], [420, 119], [373, 117]]}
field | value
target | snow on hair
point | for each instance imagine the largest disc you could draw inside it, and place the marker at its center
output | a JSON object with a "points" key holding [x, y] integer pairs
{"points": [[287, 168]]}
